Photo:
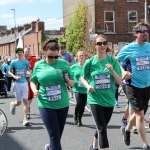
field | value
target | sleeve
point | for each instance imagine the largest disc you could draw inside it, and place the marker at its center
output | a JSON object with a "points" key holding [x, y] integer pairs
{"points": [[3, 68], [116, 67], [11, 66], [123, 54], [70, 59], [34, 74], [85, 73]]}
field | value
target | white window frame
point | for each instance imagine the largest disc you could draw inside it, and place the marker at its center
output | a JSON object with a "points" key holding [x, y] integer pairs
{"points": [[129, 11], [109, 21], [132, 1]]}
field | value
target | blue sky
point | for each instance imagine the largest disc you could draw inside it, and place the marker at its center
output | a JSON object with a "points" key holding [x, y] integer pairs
{"points": [[27, 11]]}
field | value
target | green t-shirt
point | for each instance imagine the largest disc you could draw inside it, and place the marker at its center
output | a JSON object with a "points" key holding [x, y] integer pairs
{"points": [[53, 91], [101, 79], [78, 86]]}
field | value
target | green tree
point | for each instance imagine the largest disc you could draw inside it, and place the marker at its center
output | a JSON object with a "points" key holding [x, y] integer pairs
{"points": [[75, 31], [43, 38]]}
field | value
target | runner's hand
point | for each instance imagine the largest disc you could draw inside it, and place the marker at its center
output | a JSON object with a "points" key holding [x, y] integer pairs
{"points": [[36, 93], [90, 89], [109, 67], [18, 78], [126, 75]]}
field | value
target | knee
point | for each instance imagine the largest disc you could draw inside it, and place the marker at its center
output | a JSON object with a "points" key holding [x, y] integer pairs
{"points": [[26, 102], [140, 116], [18, 103]]}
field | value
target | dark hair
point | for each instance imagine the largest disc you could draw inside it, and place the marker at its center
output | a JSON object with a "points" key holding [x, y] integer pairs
{"points": [[62, 47], [51, 44], [102, 36], [138, 26]]}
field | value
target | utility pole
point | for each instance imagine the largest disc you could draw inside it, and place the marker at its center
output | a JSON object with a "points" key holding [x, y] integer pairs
{"points": [[15, 28]]}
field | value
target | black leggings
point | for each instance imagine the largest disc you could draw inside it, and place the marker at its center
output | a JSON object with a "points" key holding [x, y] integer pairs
{"points": [[9, 80], [54, 120], [81, 100], [101, 116]]}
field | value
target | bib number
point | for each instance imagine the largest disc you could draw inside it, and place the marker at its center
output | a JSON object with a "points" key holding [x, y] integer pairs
{"points": [[142, 63], [53, 93], [102, 82]]}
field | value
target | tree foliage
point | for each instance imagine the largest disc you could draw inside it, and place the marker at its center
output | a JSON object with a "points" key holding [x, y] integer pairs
{"points": [[43, 38], [74, 37]]}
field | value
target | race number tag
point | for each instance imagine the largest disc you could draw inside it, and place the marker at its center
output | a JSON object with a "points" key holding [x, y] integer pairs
{"points": [[20, 72], [142, 63], [53, 93], [102, 82], [3, 123], [80, 84]]}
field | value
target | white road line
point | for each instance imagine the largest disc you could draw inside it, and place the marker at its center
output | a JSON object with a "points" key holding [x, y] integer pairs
{"points": [[72, 102]]}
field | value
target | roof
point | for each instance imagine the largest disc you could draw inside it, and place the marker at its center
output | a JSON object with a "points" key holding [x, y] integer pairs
{"points": [[11, 37]]}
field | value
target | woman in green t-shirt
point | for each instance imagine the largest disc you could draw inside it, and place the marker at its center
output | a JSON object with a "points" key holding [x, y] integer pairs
{"points": [[52, 74], [79, 89], [102, 71]]}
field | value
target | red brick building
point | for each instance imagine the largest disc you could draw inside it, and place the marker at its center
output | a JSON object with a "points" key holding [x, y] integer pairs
{"points": [[31, 36], [114, 18]]}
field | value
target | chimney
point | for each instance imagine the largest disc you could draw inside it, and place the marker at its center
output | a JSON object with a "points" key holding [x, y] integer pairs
{"points": [[12, 30], [33, 24], [19, 29], [2, 34], [26, 27], [8, 32], [39, 25]]}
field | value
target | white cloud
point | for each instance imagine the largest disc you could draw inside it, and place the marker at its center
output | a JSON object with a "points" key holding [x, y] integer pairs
{"points": [[7, 16], [22, 21], [54, 23]]}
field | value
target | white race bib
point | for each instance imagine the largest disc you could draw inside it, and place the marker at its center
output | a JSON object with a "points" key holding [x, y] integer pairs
{"points": [[20, 72], [53, 93], [102, 82], [142, 63]]}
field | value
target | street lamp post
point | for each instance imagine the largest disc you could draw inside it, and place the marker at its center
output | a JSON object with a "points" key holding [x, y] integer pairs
{"points": [[15, 28]]}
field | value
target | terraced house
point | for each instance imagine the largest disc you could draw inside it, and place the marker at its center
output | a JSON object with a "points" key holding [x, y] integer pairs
{"points": [[114, 18]]}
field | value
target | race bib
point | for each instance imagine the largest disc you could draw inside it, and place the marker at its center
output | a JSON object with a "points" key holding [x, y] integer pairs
{"points": [[102, 82], [80, 84], [142, 63], [53, 93], [20, 72]]}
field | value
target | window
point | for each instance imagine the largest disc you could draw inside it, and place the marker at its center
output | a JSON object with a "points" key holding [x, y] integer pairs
{"points": [[132, 20], [109, 22], [132, 0]]}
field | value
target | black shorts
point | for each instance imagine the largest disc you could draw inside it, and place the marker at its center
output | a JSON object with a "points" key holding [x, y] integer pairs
{"points": [[138, 97]]}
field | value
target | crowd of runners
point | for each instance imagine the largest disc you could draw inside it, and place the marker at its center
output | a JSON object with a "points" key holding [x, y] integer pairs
{"points": [[93, 81]]}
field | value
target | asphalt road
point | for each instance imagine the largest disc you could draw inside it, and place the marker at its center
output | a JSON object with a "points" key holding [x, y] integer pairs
{"points": [[35, 137]]}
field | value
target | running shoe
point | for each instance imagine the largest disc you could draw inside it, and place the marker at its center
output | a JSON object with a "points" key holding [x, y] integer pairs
{"points": [[117, 103], [12, 108], [126, 136], [124, 122], [134, 129], [146, 121], [28, 116], [91, 147], [146, 147], [87, 107], [25, 123], [47, 147]]}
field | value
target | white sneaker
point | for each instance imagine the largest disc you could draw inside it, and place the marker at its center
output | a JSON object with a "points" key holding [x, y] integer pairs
{"points": [[87, 107], [12, 108], [25, 122], [47, 147]]}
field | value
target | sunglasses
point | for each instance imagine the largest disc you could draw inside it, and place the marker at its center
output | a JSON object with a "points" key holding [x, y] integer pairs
{"points": [[53, 57], [100, 43], [142, 31]]}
